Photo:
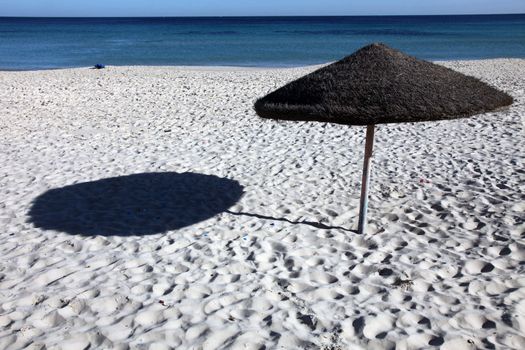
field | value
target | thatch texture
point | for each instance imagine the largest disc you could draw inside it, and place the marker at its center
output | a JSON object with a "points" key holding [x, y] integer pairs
{"points": [[378, 84]]}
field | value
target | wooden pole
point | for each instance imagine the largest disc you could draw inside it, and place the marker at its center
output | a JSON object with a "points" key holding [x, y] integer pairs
{"points": [[365, 181]]}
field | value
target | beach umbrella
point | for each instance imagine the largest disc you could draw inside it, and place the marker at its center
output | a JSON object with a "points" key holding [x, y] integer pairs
{"points": [[378, 84]]}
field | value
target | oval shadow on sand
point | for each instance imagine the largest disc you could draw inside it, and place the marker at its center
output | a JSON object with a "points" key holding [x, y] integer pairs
{"points": [[139, 204]]}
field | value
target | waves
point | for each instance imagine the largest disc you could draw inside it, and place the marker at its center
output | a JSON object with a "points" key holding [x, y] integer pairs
{"points": [[336, 32], [384, 32], [206, 32]]}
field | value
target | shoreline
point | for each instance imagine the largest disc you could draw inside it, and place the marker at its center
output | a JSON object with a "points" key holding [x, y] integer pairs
{"points": [[196, 67], [214, 68]]}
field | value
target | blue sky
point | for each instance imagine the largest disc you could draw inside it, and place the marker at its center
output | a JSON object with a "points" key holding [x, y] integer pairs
{"points": [[254, 7]]}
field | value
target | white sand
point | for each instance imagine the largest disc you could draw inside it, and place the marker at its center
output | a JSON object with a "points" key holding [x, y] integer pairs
{"points": [[442, 263]]}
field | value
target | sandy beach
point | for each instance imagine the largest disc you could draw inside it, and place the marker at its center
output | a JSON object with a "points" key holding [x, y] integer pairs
{"points": [[150, 208]]}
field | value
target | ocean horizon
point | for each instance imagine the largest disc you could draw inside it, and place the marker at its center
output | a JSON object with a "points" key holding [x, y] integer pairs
{"points": [[28, 43]]}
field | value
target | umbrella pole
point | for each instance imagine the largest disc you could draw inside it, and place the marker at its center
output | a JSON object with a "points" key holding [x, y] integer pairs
{"points": [[363, 207]]}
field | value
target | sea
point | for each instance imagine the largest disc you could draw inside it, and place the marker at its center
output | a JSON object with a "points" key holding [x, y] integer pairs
{"points": [[44, 43]]}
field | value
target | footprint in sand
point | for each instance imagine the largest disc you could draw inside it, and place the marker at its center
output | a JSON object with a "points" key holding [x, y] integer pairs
{"points": [[474, 267], [321, 277]]}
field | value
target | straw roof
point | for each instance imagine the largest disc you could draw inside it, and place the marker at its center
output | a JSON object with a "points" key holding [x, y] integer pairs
{"points": [[378, 84]]}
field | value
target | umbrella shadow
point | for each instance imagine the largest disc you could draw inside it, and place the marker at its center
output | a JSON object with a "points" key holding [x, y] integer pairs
{"points": [[138, 204], [294, 222]]}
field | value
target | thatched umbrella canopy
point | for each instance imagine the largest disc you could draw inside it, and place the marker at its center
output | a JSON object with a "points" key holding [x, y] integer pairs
{"points": [[375, 85]]}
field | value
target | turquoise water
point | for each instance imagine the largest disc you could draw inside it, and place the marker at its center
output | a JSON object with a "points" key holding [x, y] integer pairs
{"points": [[39, 43]]}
